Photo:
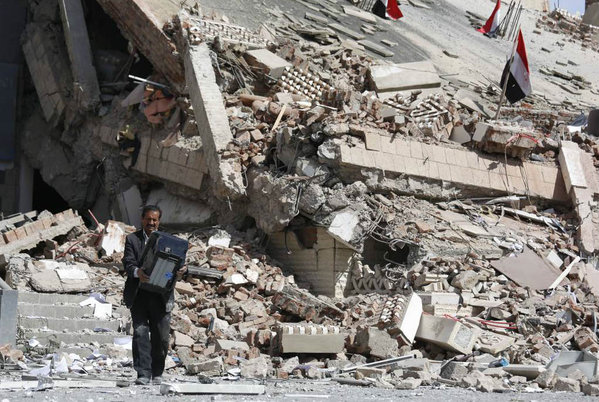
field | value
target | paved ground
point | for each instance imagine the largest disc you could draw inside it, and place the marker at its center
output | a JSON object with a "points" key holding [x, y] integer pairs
{"points": [[295, 391]]}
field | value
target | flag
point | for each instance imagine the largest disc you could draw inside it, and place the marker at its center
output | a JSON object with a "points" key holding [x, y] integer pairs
{"points": [[517, 74], [493, 21], [387, 9]]}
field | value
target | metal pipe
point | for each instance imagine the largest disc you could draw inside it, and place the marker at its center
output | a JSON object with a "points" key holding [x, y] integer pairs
{"points": [[379, 363]]}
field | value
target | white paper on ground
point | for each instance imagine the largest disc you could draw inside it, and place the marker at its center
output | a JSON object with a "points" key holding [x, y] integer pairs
{"points": [[103, 311]]}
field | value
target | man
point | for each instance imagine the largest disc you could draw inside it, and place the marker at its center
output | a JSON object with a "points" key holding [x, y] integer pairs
{"points": [[150, 311]]}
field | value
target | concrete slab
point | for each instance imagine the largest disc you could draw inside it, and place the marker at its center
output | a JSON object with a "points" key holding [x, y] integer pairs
{"points": [[373, 47], [66, 324], [46, 337], [346, 31], [178, 211], [272, 64], [49, 298], [401, 77], [230, 389], [527, 269], [571, 166], [55, 311], [86, 88]]}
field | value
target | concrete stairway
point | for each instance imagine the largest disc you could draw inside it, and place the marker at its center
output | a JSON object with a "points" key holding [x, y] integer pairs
{"points": [[56, 317]]}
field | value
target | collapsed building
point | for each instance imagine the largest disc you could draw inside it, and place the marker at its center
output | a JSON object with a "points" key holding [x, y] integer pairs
{"points": [[373, 209]]}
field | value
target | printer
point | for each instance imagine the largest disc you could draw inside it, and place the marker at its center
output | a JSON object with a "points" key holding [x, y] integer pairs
{"points": [[162, 256]]}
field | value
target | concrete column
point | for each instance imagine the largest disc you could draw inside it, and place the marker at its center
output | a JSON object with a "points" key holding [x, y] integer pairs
{"points": [[588, 3], [86, 88], [8, 315], [213, 123]]}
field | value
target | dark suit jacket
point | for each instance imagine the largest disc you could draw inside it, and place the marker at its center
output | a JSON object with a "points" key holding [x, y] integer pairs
{"points": [[134, 245]]}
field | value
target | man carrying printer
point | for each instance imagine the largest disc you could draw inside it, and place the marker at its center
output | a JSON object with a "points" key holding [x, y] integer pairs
{"points": [[150, 311]]}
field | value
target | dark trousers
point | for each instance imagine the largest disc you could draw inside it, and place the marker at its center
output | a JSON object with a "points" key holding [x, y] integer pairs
{"points": [[151, 325]]}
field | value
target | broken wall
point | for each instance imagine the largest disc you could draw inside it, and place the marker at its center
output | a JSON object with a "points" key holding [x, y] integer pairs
{"points": [[315, 257]]}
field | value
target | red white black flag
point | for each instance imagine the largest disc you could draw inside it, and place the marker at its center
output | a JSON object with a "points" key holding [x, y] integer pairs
{"points": [[493, 21], [387, 9], [517, 74]]}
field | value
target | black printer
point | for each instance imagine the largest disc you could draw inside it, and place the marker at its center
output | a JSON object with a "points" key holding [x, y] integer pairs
{"points": [[162, 256]]}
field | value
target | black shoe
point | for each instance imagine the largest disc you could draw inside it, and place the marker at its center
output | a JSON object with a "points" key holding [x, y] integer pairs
{"points": [[157, 380], [142, 381]]}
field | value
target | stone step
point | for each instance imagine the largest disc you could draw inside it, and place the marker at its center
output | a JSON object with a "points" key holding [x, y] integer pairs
{"points": [[71, 338], [73, 311], [50, 298], [61, 324], [85, 352]]}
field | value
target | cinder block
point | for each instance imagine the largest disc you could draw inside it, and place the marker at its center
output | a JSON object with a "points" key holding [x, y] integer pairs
{"points": [[431, 298], [310, 339], [8, 316], [447, 333], [416, 150], [438, 154], [373, 142], [402, 148], [194, 179]]}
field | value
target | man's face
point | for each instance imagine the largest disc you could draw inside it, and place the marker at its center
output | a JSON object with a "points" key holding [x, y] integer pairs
{"points": [[150, 221]]}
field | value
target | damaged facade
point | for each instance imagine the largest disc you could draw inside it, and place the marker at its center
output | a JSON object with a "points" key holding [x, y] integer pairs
{"points": [[348, 216]]}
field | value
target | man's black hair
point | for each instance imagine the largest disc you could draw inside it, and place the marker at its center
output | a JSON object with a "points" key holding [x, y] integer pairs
{"points": [[150, 208]]}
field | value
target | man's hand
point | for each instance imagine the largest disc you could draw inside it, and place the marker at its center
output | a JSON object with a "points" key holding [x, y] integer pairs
{"points": [[181, 272], [142, 276]]}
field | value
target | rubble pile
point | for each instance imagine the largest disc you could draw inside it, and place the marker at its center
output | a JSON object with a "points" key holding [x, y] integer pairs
{"points": [[562, 22], [347, 217]]}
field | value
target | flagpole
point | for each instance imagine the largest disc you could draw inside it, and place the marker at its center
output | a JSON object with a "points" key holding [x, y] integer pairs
{"points": [[507, 77]]}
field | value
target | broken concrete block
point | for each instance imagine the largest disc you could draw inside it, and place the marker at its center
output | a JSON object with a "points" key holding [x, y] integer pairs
{"points": [[184, 288], [454, 371], [590, 389], [223, 344], [566, 384], [269, 62], [446, 298], [310, 338], [493, 343], [465, 280], [546, 379], [376, 343], [346, 227], [182, 339], [460, 135], [447, 333], [212, 367], [401, 316], [401, 77], [255, 368], [369, 372]]}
